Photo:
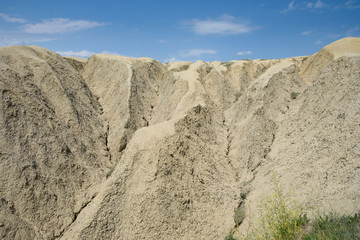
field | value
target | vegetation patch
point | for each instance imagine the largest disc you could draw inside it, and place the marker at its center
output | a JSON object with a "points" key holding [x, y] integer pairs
{"points": [[227, 64], [238, 95], [294, 95], [335, 227], [304, 59], [208, 69], [108, 174], [239, 216], [283, 219], [230, 237], [243, 195], [279, 217]]}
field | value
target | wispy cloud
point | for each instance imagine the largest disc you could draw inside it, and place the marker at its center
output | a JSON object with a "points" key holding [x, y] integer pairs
{"points": [[307, 5], [353, 32], [224, 25], [196, 52], [60, 25], [172, 59], [317, 4], [7, 18], [306, 32], [83, 53], [290, 7], [242, 53], [111, 53], [352, 4], [9, 40]]}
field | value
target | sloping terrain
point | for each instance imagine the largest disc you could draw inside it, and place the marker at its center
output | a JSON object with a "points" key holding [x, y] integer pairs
{"points": [[121, 148], [52, 144]]}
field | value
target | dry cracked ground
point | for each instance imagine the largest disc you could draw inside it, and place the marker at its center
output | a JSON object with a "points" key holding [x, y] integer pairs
{"points": [[113, 147]]}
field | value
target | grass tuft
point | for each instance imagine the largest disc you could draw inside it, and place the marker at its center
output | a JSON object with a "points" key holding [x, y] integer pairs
{"points": [[335, 227]]}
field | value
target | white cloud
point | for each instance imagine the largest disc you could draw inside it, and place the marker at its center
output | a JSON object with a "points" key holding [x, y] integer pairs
{"points": [[319, 4], [161, 41], [352, 4], [241, 53], [110, 52], [83, 53], [318, 42], [225, 25], [353, 32], [306, 33], [7, 18], [8, 40], [60, 25], [196, 52], [291, 7], [173, 59]]}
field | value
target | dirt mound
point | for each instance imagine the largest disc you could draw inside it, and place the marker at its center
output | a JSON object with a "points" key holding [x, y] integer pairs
{"points": [[122, 148]]}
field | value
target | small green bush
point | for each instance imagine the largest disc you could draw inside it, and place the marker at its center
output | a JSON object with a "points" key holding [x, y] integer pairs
{"points": [[238, 95], [304, 59], [280, 219], [108, 174], [294, 95], [243, 195], [239, 216], [208, 69], [227, 64], [230, 237]]}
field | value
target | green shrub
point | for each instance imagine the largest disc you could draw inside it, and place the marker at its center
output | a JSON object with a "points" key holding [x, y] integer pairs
{"points": [[243, 195], [239, 215], [208, 69], [227, 64], [304, 59], [230, 237], [108, 174], [238, 95], [294, 95], [279, 217]]}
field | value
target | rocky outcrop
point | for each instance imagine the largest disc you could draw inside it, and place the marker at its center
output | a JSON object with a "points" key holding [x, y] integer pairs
{"points": [[121, 148]]}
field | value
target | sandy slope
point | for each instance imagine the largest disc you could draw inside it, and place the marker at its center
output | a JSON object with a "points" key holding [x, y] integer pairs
{"points": [[184, 140]]}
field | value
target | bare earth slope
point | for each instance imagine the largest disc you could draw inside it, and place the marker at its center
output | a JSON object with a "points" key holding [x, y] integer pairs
{"points": [[51, 146], [121, 148]]}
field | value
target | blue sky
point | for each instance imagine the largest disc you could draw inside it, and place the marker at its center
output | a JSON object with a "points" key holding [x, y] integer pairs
{"points": [[182, 30]]}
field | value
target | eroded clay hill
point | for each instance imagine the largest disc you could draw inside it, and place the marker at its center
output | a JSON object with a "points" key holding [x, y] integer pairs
{"points": [[121, 148]]}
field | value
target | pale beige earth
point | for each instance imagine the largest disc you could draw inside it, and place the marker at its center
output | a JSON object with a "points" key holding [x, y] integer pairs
{"points": [[112, 147]]}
